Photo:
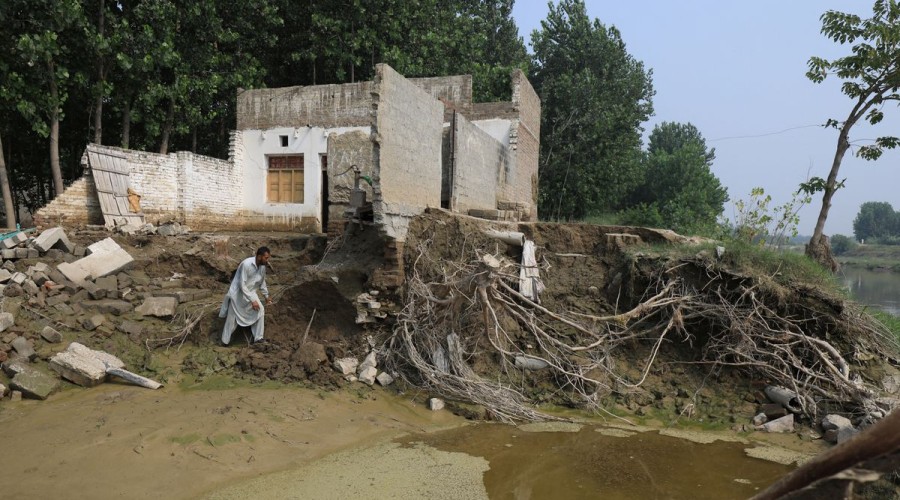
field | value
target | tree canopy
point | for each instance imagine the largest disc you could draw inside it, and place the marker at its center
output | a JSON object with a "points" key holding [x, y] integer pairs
{"points": [[595, 96], [679, 191], [163, 74], [876, 220], [871, 75]]}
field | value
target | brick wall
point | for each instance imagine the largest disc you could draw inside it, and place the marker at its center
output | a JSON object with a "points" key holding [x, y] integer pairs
{"points": [[77, 206], [526, 143], [408, 138], [480, 164], [325, 106]]}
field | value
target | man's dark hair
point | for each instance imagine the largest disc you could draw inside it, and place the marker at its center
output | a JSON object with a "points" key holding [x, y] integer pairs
{"points": [[263, 250]]}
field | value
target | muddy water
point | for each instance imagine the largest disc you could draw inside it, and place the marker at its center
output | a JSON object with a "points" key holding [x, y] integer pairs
{"points": [[880, 289], [594, 462]]}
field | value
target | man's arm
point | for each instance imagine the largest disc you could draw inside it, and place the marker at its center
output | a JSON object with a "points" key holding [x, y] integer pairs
{"points": [[265, 289]]}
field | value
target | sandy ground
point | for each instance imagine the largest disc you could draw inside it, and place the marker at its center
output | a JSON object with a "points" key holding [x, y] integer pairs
{"points": [[118, 441]]}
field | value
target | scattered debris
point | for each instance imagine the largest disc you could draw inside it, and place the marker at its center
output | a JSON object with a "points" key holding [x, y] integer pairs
{"points": [[435, 404]]}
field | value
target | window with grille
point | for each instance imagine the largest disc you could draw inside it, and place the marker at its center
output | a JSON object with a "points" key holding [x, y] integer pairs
{"points": [[285, 179]]}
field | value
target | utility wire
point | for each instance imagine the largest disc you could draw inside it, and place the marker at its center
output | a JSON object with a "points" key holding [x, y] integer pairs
{"points": [[764, 135]]}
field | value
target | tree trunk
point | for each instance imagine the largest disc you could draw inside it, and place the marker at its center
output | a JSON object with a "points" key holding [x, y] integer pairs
{"points": [[818, 247], [126, 123], [167, 127], [101, 80], [7, 194], [194, 140], [58, 185]]}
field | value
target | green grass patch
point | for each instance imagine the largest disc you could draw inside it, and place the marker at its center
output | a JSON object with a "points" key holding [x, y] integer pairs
{"points": [[783, 266], [186, 439], [222, 439], [889, 320]]}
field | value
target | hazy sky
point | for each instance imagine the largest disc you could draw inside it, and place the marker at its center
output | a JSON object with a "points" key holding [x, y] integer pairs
{"points": [[737, 69]]}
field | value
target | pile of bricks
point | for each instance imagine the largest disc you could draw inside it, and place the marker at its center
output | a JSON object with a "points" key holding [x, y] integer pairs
{"points": [[55, 290]]}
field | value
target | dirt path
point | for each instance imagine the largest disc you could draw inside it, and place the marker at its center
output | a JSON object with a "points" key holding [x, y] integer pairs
{"points": [[125, 442]]}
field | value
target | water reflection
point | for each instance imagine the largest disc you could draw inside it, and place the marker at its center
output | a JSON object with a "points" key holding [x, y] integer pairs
{"points": [[880, 289]]}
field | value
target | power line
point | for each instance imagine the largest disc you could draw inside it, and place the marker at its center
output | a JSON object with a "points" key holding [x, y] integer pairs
{"points": [[766, 134]]}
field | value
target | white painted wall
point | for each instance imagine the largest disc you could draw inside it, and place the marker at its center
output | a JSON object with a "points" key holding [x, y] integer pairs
{"points": [[497, 128], [308, 141]]}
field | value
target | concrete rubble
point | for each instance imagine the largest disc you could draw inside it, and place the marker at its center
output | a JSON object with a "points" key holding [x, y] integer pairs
{"points": [[62, 287], [783, 424], [436, 404]]}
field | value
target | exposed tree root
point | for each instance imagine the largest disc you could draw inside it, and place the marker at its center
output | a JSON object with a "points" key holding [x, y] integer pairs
{"points": [[725, 320]]}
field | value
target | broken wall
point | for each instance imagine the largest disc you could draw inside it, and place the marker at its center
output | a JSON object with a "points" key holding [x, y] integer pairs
{"points": [[78, 205], [323, 106], [345, 150], [479, 161], [203, 192], [522, 186], [408, 138]]}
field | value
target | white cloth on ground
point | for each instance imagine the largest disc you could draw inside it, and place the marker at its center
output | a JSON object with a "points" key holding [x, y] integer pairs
{"points": [[237, 305]]}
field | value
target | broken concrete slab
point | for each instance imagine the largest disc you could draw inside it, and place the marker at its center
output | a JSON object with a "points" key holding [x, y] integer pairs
{"points": [[367, 375], [435, 404], [131, 328], [5, 275], [93, 322], [35, 384], [161, 307], [30, 288], [50, 335], [783, 424], [18, 278], [21, 253], [12, 367], [48, 238], [86, 371], [8, 253], [105, 357], [346, 366], [106, 257], [13, 290], [23, 348], [6, 320], [371, 361], [57, 299]]}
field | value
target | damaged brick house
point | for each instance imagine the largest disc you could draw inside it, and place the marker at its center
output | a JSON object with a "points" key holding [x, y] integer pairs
{"points": [[422, 142]]}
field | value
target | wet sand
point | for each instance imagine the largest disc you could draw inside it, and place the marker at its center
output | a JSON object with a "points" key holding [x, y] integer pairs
{"points": [[119, 441]]}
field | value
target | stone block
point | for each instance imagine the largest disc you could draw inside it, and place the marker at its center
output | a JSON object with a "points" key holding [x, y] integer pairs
{"points": [[9, 243], [18, 278], [34, 384], [57, 299], [32, 253], [31, 288], [8, 253], [172, 283], [20, 237], [108, 283], [13, 367], [23, 348], [94, 291], [9, 266], [13, 290], [371, 361], [21, 253], [6, 320], [346, 366], [384, 378], [50, 335], [760, 419], [161, 307], [783, 424], [79, 251], [131, 328], [56, 276], [773, 410], [86, 371], [5, 275], [436, 404], [367, 375], [835, 422], [40, 267], [93, 322], [73, 272]]}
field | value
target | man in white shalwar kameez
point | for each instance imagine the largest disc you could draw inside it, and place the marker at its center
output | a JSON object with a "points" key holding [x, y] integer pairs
{"points": [[241, 306]]}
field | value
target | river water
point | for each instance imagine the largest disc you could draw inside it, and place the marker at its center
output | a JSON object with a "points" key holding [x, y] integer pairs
{"points": [[879, 289]]}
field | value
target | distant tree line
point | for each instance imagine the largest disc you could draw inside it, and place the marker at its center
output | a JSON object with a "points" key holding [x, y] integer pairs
{"points": [[877, 222], [162, 75]]}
